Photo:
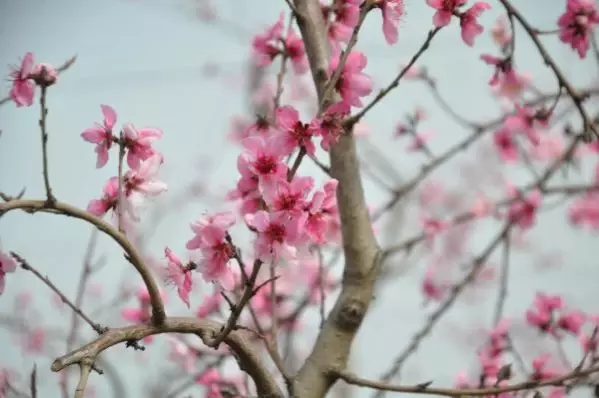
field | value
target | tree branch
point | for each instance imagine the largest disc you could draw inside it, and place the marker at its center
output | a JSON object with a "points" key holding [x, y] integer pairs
{"points": [[362, 253], [247, 358], [134, 257]]}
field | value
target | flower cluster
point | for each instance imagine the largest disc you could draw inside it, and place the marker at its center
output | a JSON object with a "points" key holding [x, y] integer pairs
{"points": [[26, 76], [140, 180]]}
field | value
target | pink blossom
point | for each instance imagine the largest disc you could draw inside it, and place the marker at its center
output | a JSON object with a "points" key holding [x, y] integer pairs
{"points": [[139, 143], [432, 289], [541, 370], [211, 238], [523, 210], [278, 234], [182, 354], [44, 75], [419, 141], [294, 46], [527, 120], [352, 83], [263, 157], [34, 341], [265, 45], [210, 305], [142, 182], [322, 224], [7, 264], [311, 272], [290, 197], [541, 314], [294, 134], [329, 125], [239, 128], [444, 10], [342, 17], [549, 148], [392, 11], [584, 211], [179, 275], [23, 87], [505, 144], [432, 227], [469, 23], [211, 379], [482, 206], [271, 43], [99, 207], [431, 193], [500, 32], [246, 190], [577, 23], [571, 321], [505, 78], [461, 381], [101, 135]]}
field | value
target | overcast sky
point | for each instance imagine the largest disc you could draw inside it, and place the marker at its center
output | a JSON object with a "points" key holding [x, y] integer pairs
{"points": [[145, 59]]}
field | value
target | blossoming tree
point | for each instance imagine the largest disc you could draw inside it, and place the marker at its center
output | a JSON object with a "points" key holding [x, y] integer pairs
{"points": [[300, 229]]}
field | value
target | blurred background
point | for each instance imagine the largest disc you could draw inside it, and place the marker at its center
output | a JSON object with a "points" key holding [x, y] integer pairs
{"points": [[183, 66]]}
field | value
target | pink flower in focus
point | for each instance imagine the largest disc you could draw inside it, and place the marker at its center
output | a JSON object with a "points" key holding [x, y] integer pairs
{"points": [[101, 135], [392, 11], [179, 275], [329, 126], [7, 264], [99, 207], [139, 143], [289, 197], [294, 134], [469, 23], [211, 238], [23, 87], [263, 158], [277, 234], [352, 83], [323, 222], [577, 23]]}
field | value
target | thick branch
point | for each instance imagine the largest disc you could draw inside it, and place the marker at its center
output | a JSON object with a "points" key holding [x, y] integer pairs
{"points": [[247, 358], [134, 257], [332, 347]]}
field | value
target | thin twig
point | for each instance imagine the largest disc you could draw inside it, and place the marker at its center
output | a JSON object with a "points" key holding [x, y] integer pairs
{"points": [[44, 135]]}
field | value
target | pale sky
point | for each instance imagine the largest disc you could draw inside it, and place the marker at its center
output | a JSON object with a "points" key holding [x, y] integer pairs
{"points": [[145, 57]]}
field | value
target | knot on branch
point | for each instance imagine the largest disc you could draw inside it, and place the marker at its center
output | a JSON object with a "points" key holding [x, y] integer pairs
{"points": [[351, 314]]}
